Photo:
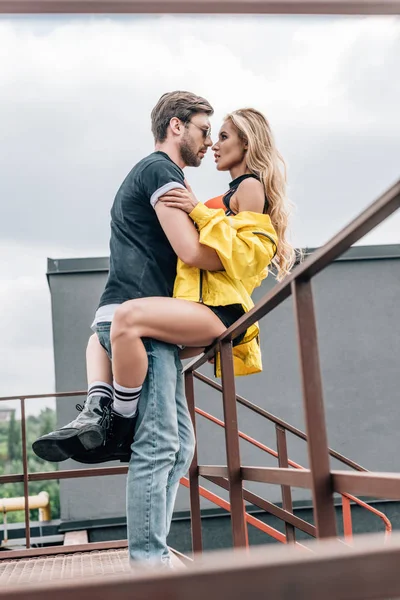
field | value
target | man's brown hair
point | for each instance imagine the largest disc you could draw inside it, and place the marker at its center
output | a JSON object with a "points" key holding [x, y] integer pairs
{"points": [[182, 105]]}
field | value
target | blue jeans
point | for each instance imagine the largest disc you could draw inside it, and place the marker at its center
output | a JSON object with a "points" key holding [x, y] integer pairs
{"points": [[162, 451]]}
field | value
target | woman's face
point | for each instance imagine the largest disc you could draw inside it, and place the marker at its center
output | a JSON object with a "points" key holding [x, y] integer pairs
{"points": [[229, 150]]}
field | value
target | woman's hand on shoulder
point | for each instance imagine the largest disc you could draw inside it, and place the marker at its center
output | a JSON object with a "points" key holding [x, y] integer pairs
{"points": [[184, 199], [250, 195]]}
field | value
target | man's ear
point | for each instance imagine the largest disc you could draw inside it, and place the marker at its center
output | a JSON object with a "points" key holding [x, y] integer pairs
{"points": [[176, 125]]}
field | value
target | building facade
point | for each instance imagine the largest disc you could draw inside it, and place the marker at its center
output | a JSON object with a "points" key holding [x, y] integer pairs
{"points": [[358, 318]]}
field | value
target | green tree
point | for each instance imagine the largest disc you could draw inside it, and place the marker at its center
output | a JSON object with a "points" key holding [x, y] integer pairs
{"points": [[36, 425], [14, 439], [47, 421]]}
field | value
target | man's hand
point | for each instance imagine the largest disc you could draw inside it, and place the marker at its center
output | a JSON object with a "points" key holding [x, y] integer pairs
{"points": [[179, 198]]}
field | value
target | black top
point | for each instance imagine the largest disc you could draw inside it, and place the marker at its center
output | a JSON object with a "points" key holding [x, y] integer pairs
{"points": [[142, 262], [233, 186]]}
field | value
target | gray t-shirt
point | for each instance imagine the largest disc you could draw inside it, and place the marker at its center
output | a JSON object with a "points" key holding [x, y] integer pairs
{"points": [[142, 261]]}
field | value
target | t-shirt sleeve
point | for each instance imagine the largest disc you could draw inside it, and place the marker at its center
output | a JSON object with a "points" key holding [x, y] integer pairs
{"points": [[160, 177]]}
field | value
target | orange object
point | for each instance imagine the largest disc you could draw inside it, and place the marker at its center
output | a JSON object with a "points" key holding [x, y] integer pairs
{"points": [[215, 202]]}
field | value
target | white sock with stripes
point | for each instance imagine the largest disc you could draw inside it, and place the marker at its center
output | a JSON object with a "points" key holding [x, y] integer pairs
{"points": [[100, 388], [126, 400]]}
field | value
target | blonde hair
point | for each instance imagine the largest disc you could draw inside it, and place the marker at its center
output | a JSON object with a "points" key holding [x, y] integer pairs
{"points": [[264, 160]]}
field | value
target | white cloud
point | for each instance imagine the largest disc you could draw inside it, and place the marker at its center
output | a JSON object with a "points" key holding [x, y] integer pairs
{"points": [[76, 97]]}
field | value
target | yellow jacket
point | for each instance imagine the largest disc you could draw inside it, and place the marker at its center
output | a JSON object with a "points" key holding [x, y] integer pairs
{"points": [[246, 245]]}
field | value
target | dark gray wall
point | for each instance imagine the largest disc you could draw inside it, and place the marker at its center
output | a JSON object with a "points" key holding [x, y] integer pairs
{"points": [[358, 315]]}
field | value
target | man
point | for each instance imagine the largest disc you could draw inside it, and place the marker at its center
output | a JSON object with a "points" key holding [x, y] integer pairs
{"points": [[143, 264]]}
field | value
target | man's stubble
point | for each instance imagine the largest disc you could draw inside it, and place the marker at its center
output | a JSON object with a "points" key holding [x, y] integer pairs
{"points": [[188, 154]]}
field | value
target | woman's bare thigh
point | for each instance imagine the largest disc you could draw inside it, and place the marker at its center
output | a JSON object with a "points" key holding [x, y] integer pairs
{"points": [[172, 320]]}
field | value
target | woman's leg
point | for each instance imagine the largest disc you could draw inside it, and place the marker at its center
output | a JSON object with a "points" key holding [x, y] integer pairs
{"points": [[86, 431], [98, 365], [165, 319]]}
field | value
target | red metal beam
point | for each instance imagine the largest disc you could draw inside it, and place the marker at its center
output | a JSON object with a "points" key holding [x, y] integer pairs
{"points": [[302, 7]]}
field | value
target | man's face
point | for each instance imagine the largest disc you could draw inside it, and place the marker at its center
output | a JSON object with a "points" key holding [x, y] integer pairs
{"points": [[196, 140]]}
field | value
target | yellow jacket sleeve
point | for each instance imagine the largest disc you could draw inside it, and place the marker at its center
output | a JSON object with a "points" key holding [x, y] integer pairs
{"points": [[245, 243]]}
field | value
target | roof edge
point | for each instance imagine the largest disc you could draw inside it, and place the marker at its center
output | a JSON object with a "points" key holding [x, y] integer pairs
{"points": [[64, 266]]}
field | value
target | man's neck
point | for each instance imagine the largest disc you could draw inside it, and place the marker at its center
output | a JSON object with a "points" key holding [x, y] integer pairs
{"points": [[172, 152]]}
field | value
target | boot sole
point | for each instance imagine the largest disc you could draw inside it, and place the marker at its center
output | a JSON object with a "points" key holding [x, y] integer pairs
{"points": [[57, 450], [88, 460]]}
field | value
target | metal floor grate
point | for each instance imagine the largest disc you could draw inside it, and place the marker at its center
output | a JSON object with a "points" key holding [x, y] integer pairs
{"points": [[64, 566]]}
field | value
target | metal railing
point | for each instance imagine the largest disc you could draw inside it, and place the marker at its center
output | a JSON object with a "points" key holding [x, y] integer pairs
{"points": [[322, 481], [281, 427], [319, 478], [285, 513], [300, 7]]}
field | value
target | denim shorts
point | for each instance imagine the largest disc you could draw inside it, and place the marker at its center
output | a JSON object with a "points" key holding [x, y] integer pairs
{"points": [[103, 333]]}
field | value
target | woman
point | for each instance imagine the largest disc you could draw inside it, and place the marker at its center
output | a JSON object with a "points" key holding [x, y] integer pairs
{"points": [[248, 233]]}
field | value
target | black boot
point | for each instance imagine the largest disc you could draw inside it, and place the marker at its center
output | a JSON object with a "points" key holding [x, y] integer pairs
{"points": [[117, 445], [86, 432]]}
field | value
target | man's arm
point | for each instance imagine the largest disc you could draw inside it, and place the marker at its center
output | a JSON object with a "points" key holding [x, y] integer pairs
{"points": [[184, 239]]}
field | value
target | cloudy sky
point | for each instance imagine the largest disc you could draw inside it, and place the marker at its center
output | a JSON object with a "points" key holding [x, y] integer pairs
{"points": [[75, 98]]}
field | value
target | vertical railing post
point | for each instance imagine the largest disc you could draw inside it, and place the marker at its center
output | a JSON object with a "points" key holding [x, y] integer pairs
{"points": [[283, 462], [347, 521], [195, 510], [324, 510], [25, 473], [239, 527]]}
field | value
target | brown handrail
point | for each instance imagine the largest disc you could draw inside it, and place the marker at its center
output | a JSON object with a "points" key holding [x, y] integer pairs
{"points": [[299, 7]]}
